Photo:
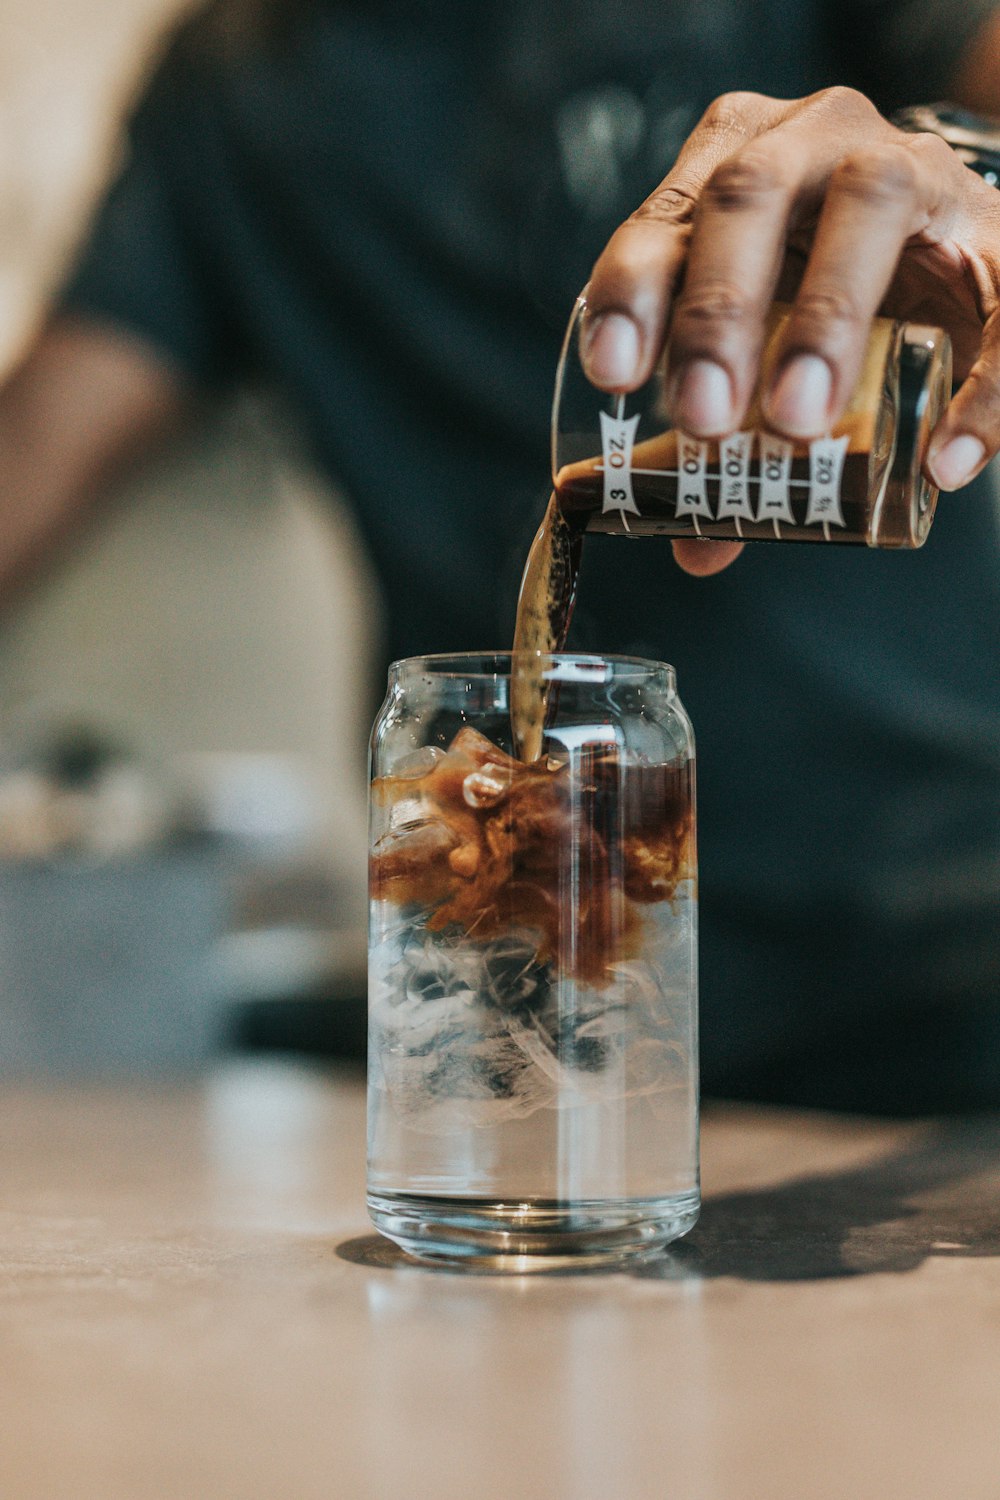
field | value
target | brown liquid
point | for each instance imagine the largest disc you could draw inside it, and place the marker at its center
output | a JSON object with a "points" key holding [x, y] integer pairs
{"points": [[548, 588], [494, 846], [866, 423], [580, 491], [493, 843], [544, 609]]}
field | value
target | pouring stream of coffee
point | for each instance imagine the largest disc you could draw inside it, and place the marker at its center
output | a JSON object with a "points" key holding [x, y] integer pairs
{"points": [[544, 608]]}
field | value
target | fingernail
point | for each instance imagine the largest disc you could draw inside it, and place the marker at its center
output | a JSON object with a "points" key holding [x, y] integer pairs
{"points": [[799, 400], [703, 402], [956, 462], [610, 351]]}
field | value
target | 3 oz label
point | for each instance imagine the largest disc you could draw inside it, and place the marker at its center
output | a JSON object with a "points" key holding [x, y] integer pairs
{"points": [[617, 439]]}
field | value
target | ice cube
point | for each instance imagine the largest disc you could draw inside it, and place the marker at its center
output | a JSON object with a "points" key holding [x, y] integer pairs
{"points": [[417, 763]]}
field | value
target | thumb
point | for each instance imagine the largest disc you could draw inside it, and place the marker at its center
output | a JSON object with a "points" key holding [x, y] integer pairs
{"points": [[703, 558], [968, 435]]}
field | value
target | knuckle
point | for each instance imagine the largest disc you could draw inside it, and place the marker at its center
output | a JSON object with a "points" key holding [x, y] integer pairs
{"points": [[886, 174], [744, 182], [946, 183], [845, 102], [731, 111], [931, 150], [825, 308], [714, 305], [668, 205], [981, 397]]}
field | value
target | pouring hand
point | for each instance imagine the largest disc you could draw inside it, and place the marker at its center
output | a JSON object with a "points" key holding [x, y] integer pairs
{"points": [[824, 192]]}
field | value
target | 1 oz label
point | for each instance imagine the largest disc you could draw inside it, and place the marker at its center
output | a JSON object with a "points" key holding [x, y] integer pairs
{"points": [[617, 439], [826, 465], [692, 467], [734, 477], [773, 503]]}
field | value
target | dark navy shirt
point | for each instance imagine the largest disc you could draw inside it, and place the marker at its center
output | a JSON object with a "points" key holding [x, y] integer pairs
{"points": [[388, 213]]}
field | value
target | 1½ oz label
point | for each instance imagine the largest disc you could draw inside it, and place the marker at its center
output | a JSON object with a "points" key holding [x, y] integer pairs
{"points": [[617, 438], [734, 477]]}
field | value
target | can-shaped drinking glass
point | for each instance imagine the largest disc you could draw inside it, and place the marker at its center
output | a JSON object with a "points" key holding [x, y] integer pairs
{"points": [[533, 1082]]}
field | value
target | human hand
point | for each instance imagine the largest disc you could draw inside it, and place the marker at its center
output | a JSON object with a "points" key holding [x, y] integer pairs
{"points": [[867, 218]]}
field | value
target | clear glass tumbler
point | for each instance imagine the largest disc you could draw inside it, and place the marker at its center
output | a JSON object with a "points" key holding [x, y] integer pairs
{"points": [[533, 1083]]}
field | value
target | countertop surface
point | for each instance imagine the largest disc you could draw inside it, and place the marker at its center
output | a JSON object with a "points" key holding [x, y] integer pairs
{"points": [[192, 1305]]}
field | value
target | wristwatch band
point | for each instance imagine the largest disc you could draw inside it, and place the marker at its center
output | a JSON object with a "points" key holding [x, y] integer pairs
{"points": [[974, 138]]}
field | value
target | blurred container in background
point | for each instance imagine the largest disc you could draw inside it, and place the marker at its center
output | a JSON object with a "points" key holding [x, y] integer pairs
{"points": [[108, 971], [147, 911], [112, 902], [213, 613]]}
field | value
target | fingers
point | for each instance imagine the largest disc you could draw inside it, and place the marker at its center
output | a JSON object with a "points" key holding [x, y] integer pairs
{"points": [[735, 257], [877, 198], [703, 558], [632, 284], [746, 213], [706, 250], [968, 435], [750, 206], [872, 188]]}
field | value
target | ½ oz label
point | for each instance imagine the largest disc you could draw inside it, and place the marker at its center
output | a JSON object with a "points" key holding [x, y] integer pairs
{"points": [[826, 465], [617, 439]]}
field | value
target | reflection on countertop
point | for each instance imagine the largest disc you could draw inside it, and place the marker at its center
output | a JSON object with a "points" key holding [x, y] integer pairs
{"points": [[192, 1303]]}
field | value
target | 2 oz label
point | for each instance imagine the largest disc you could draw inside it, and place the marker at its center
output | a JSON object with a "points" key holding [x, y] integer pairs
{"points": [[692, 475]]}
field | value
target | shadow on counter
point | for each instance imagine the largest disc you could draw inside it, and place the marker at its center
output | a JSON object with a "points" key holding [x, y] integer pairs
{"points": [[939, 1196], [855, 1223]]}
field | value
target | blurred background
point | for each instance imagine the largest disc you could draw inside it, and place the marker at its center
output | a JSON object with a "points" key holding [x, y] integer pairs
{"points": [[185, 694], [184, 699]]}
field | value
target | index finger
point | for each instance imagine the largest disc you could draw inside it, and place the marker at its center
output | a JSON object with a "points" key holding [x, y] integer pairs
{"points": [[632, 284]]}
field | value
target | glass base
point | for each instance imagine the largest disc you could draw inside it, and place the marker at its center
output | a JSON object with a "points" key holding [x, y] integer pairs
{"points": [[527, 1235]]}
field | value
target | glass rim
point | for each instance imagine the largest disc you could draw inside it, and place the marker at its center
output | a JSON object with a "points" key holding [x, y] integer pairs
{"points": [[579, 666]]}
